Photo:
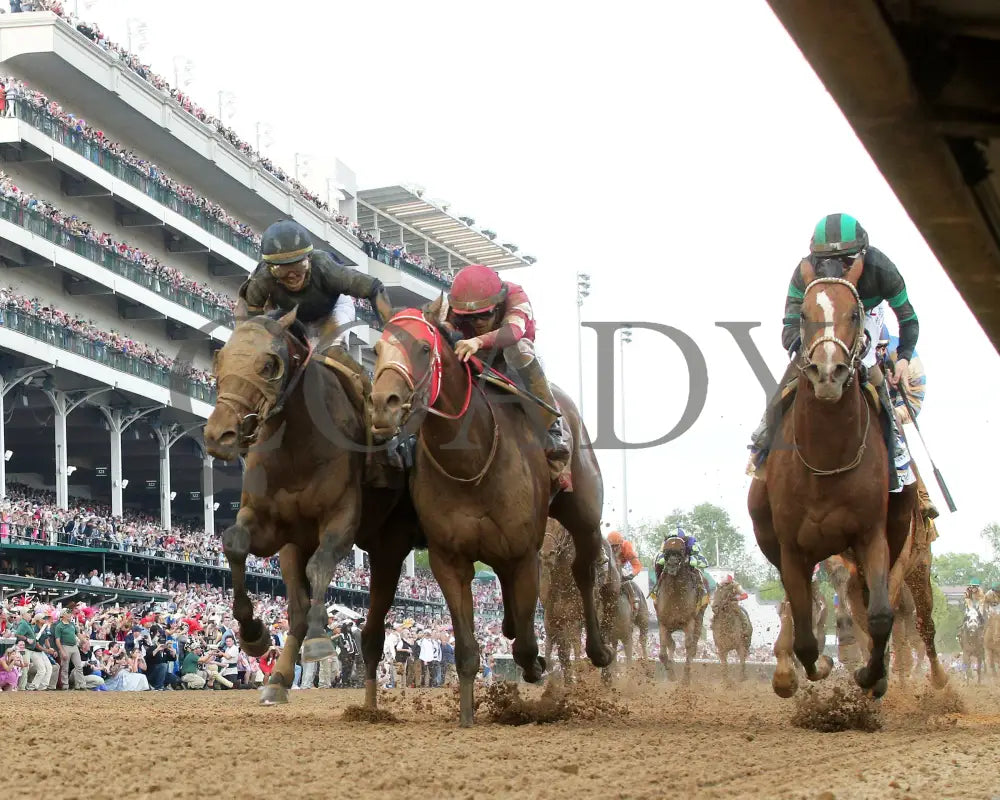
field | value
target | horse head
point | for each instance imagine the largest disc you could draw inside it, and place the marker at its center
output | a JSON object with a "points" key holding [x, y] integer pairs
{"points": [[973, 619], [674, 555], [832, 330], [255, 373], [410, 369]]}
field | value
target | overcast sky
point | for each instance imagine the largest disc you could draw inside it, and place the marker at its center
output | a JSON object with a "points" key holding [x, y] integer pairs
{"points": [[679, 153]]}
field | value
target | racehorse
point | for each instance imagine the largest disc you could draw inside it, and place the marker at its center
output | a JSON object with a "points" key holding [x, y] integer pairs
{"points": [[302, 496], [731, 626], [991, 637], [820, 612], [482, 488], [829, 491], [970, 637], [621, 616], [679, 607], [560, 598], [905, 635]]}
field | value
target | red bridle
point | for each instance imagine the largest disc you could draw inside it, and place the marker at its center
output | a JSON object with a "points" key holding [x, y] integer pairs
{"points": [[430, 381]]}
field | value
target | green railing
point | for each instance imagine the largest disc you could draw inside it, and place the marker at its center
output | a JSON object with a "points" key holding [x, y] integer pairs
{"points": [[12, 211], [65, 339], [386, 258], [66, 136]]}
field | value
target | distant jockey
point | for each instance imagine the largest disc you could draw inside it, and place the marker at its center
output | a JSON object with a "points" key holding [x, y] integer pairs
{"points": [[694, 557], [629, 565]]}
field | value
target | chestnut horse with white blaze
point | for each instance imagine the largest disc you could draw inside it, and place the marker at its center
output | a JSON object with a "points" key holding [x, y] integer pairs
{"points": [[830, 490], [481, 487]]}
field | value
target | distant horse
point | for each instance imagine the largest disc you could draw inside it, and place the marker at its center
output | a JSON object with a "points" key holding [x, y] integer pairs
{"points": [[282, 406], [991, 637], [482, 487], [971, 634], [561, 603], [679, 607], [731, 626], [622, 617], [829, 491]]}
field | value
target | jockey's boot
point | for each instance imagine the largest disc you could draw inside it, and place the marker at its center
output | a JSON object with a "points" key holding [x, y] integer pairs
{"points": [[556, 447]]}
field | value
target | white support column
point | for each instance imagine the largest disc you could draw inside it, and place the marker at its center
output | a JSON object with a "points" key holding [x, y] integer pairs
{"points": [[165, 484], [8, 382], [118, 422], [359, 557], [60, 403], [410, 565], [168, 436], [208, 492]]}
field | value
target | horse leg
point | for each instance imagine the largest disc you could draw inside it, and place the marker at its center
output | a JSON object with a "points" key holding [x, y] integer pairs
{"points": [[919, 581], [874, 557], [724, 658], [507, 624], [385, 560], [643, 630], [667, 651], [337, 535], [454, 575], [254, 637], [796, 576], [692, 632], [522, 578], [291, 560], [784, 681]]}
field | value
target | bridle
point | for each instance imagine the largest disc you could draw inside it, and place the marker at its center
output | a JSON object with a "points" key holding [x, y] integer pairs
{"points": [[425, 392], [853, 354], [272, 393]]}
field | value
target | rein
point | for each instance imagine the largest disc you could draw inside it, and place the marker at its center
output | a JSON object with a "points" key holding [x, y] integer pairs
{"points": [[430, 385], [853, 354]]}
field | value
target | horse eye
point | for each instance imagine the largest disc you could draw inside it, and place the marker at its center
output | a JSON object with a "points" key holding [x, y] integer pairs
{"points": [[425, 347]]}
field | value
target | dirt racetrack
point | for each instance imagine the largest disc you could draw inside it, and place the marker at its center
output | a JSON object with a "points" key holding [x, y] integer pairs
{"points": [[647, 740]]}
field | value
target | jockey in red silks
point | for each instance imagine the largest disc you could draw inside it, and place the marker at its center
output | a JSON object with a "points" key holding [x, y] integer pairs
{"points": [[491, 314]]}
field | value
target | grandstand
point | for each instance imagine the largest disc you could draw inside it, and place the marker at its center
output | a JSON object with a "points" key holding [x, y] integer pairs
{"points": [[128, 221]]}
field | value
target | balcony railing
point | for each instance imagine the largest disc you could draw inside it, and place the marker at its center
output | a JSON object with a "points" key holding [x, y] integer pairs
{"points": [[57, 130], [12, 211], [59, 336], [386, 257]]}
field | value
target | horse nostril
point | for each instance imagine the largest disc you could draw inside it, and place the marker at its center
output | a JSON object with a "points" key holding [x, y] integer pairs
{"points": [[392, 402], [840, 372], [228, 438]]}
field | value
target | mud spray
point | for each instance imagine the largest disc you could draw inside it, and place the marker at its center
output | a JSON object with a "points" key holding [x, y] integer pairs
{"points": [[503, 703], [840, 706]]}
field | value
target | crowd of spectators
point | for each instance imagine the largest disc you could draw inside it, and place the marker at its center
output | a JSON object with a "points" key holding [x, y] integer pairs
{"points": [[84, 231], [113, 341], [13, 90]]}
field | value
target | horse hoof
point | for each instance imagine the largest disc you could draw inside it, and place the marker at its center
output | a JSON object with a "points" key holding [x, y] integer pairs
{"points": [[939, 678], [785, 685], [879, 689], [534, 675], [600, 655], [317, 649], [273, 695], [824, 666], [254, 639]]}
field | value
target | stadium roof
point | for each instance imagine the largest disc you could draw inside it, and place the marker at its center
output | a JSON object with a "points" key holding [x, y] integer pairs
{"points": [[917, 80], [404, 212]]}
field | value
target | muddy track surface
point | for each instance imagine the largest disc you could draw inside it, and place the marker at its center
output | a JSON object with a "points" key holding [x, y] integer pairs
{"points": [[644, 739]]}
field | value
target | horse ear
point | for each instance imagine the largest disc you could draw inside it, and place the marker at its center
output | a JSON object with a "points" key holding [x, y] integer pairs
{"points": [[807, 271], [286, 321], [854, 273]]}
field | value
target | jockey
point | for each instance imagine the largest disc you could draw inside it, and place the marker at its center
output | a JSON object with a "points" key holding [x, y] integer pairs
{"points": [[492, 314], [916, 389], [293, 274], [837, 240], [627, 561], [694, 557], [974, 593]]}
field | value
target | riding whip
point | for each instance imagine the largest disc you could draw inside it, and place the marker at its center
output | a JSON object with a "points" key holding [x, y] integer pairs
{"points": [[497, 378], [937, 473]]}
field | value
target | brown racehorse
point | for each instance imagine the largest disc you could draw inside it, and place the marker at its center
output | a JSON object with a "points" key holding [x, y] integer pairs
{"points": [[680, 591], [731, 627], [302, 495], [622, 617], [829, 491], [482, 488]]}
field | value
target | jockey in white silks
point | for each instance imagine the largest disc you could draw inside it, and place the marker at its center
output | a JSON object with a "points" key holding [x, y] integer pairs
{"points": [[874, 320], [344, 313]]}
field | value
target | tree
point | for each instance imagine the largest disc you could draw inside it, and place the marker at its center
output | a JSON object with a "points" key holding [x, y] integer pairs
{"points": [[957, 569], [991, 533]]}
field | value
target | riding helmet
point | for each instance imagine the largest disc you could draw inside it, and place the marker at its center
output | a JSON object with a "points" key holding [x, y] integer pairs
{"points": [[476, 290], [285, 242], [838, 235]]}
